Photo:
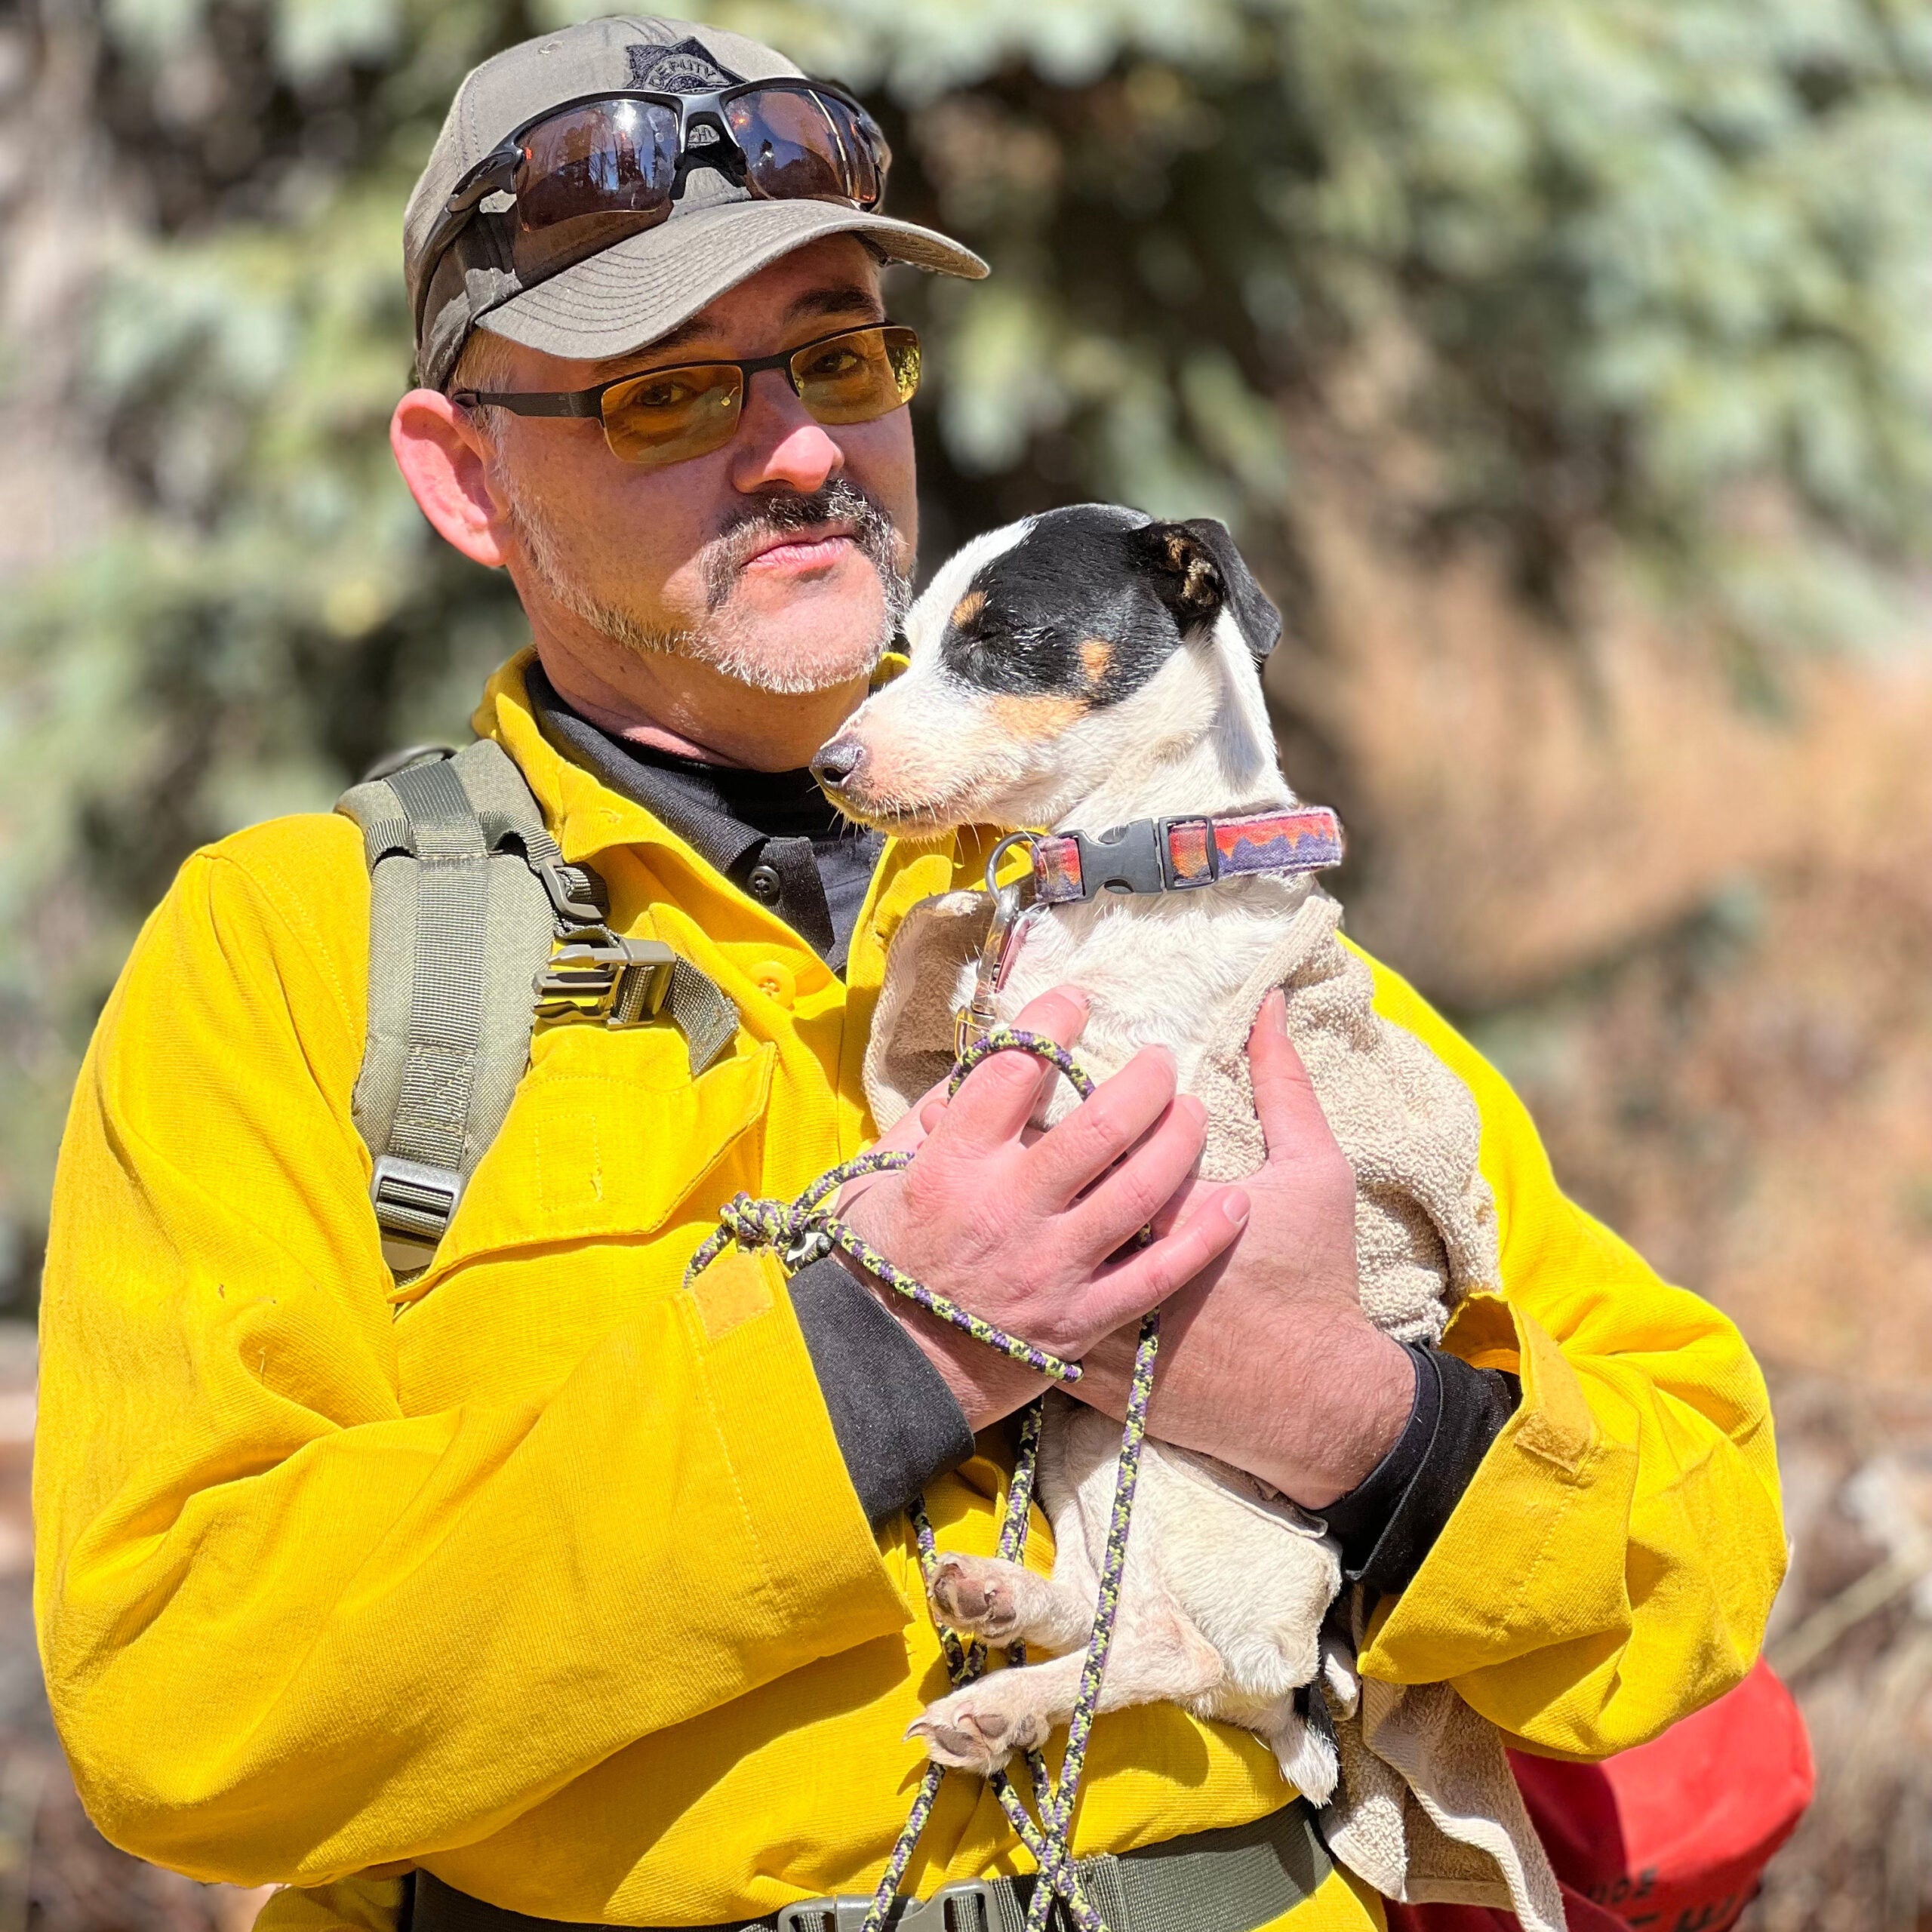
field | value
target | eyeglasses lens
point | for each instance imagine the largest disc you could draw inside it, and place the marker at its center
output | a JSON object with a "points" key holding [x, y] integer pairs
{"points": [[858, 377], [589, 177], [669, 415], [801, 146]]}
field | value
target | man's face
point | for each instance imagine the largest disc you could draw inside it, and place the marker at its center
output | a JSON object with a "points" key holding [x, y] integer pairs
{"points": [[783, 559]]}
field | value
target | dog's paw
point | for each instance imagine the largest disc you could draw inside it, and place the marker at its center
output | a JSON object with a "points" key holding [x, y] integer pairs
{"points": [[974, 1596], [971, 1734], [1308, 1761]]}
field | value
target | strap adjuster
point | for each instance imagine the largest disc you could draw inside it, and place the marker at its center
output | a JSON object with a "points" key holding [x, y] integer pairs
{"points": [[622, 982], [946, 1911], [415, 1203], [574, 893]]}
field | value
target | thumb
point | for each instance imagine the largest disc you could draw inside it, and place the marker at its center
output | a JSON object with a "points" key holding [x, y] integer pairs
{"points": [[1292, 1122]]}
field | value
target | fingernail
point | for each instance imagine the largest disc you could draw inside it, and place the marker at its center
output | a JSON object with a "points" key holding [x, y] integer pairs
{"points": [[1195, 1109], [1238, 1211]]}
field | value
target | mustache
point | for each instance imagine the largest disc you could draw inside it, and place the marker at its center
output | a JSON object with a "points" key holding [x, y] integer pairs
{"points": [[753, 528]]}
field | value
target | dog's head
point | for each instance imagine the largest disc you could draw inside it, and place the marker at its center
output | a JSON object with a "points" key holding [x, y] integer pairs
{"points": [[1049, 659]]}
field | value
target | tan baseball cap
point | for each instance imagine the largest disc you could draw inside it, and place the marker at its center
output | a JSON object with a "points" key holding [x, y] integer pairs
{"points": [[638, 288]]}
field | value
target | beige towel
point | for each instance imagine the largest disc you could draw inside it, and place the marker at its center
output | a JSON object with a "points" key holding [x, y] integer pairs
{"points": [[1426, 1808]]}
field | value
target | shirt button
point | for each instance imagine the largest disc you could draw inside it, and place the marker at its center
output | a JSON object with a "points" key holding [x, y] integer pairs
{"points": [[765, 885], [776, 980]]}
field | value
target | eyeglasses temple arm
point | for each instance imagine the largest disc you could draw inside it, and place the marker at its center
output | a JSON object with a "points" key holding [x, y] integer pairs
{"points": [[533, 402]]}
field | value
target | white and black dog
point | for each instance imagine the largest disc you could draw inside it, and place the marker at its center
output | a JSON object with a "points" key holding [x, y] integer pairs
{"points": [[1091, 671]]}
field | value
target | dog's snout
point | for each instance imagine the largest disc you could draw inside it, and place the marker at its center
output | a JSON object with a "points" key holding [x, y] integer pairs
{"points": [[837, 760]]}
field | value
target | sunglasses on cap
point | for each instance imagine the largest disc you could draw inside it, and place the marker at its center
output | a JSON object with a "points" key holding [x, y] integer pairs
{"points": [[595, 171], [660, 416]]}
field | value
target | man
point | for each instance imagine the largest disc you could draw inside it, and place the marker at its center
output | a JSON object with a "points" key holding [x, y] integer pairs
{"points": [[536, 1583]]}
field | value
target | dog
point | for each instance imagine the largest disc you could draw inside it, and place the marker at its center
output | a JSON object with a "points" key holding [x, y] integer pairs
{"points": [[1088, 670]]}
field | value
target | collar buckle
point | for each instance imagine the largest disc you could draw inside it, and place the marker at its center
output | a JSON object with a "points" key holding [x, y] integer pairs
{"points": [[1124, 858]]}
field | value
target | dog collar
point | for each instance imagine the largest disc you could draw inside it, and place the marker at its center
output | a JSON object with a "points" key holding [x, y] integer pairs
{"points": [[1148, 855], [1180, 854]]}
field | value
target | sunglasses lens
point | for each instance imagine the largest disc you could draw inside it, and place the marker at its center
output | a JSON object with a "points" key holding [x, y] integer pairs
{"points": [[800, 145], [589, 177], [858, 377], [667, 416]]}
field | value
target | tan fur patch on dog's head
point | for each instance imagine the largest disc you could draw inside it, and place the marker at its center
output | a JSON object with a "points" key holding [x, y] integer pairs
{"points": [[1096, 654], [968, 608], [1032, 720]]}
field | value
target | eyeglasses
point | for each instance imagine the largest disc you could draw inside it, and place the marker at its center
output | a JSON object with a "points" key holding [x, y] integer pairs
{"points": [[591, 172], [666, 415]]}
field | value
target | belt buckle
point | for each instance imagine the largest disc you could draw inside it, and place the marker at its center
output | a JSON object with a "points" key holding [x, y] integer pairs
{"points": [[940, 1913]]}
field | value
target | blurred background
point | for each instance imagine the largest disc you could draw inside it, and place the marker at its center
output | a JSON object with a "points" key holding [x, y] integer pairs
{"points": [[1565, 367]]}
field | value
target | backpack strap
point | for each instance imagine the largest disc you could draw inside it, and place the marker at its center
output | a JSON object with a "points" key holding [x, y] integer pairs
{"points": [[468, 894]]}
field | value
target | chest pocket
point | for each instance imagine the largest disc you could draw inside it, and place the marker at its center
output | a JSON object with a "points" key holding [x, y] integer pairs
{"points": [[611, 1138]]}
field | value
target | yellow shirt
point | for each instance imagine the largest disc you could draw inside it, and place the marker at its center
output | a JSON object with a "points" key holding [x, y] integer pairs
{"points": [[545, 1573]]}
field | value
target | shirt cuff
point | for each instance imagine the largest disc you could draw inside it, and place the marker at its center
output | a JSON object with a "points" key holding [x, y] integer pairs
{"points": [[1389, 1522], [895, 1420]]}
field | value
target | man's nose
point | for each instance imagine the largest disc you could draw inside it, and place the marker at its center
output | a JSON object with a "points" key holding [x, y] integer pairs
{"points": [[779, 442]]}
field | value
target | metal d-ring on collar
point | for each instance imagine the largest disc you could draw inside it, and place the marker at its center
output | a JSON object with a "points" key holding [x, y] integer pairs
{"points": [[1014, 905]]}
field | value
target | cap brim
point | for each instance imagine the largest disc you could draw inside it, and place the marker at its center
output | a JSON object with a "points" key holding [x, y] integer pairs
{"points": [[631, 295]]}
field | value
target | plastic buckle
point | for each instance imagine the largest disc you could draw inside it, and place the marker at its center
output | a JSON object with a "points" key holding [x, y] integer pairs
{"points": [[562, 883], [622, 982], [415, 1203], [1125, 858], [940, 1913], [1164, 827], [845, 1913]]}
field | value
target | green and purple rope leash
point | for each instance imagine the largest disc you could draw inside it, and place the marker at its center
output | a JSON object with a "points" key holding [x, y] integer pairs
{"points": [[796, 1226]]}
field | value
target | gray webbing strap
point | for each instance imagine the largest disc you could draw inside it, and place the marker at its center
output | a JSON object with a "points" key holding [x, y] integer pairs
{"points": [[1230, 1880], [468, 890]]}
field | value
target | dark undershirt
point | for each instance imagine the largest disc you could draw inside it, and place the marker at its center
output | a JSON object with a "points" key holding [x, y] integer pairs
{"points": [[778, 838]]}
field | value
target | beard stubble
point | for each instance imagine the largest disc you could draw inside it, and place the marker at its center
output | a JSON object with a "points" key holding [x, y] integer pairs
{"points": [[722, 563]]}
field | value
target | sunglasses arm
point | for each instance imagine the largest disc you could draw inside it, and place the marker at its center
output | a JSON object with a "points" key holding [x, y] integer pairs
{"points": [[534, 402]]}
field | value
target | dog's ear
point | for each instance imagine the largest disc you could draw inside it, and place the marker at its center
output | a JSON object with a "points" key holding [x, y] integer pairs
{"points": [[1198, 573]]}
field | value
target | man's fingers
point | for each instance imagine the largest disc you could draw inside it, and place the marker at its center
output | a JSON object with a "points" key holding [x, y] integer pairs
{"points": [[1132, 1194], [997, 1098], [1292, 1122], [1130, 1288], [1079, 1149]]}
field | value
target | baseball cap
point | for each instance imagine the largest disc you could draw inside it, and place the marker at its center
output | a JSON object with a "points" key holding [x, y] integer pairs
{"points": [[635, 290]]}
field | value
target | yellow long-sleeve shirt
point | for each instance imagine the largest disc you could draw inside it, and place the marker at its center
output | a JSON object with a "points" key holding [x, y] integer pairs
{"points": [[546, 1574]]}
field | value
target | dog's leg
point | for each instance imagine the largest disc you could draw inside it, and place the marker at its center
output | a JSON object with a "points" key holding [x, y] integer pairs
{"points": [[1304, 1749], [1006, 1603], [1157, 1657]]}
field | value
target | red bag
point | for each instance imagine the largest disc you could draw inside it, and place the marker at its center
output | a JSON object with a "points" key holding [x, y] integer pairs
{"points": [[1674, 1835]]}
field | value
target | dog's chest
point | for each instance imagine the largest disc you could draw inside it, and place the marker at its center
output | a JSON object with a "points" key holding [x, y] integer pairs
{"points": [[1155, 972]]}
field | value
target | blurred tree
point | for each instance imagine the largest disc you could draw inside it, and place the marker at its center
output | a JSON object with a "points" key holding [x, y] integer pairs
{"points": [[1540, 270]]}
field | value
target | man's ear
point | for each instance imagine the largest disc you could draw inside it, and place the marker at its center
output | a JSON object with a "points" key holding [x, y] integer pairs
{"points": [[1198, 574], [445, 462]]}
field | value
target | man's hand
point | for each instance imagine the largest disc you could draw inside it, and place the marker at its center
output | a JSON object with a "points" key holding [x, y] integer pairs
{"points": [[1267, 1361], [1023, 1230]]}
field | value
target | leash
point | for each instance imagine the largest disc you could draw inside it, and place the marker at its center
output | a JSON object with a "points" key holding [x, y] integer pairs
{"points": [[807, 1226]]}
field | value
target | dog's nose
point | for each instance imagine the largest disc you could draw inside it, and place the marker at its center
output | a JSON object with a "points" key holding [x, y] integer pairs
{"points": [[837, 760]]}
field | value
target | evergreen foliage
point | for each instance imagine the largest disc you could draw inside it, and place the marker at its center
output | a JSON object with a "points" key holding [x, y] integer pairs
{"points": [[1640, 266]]}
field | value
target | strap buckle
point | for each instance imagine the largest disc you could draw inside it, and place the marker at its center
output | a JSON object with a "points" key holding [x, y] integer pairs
{"points": [[573, 894], [1124, 858], [944, 1911], [415, 1203], [622, 982]]}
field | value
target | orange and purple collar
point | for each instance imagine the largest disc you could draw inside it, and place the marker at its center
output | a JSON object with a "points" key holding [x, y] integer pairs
{"points": [[1178, 854]]}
